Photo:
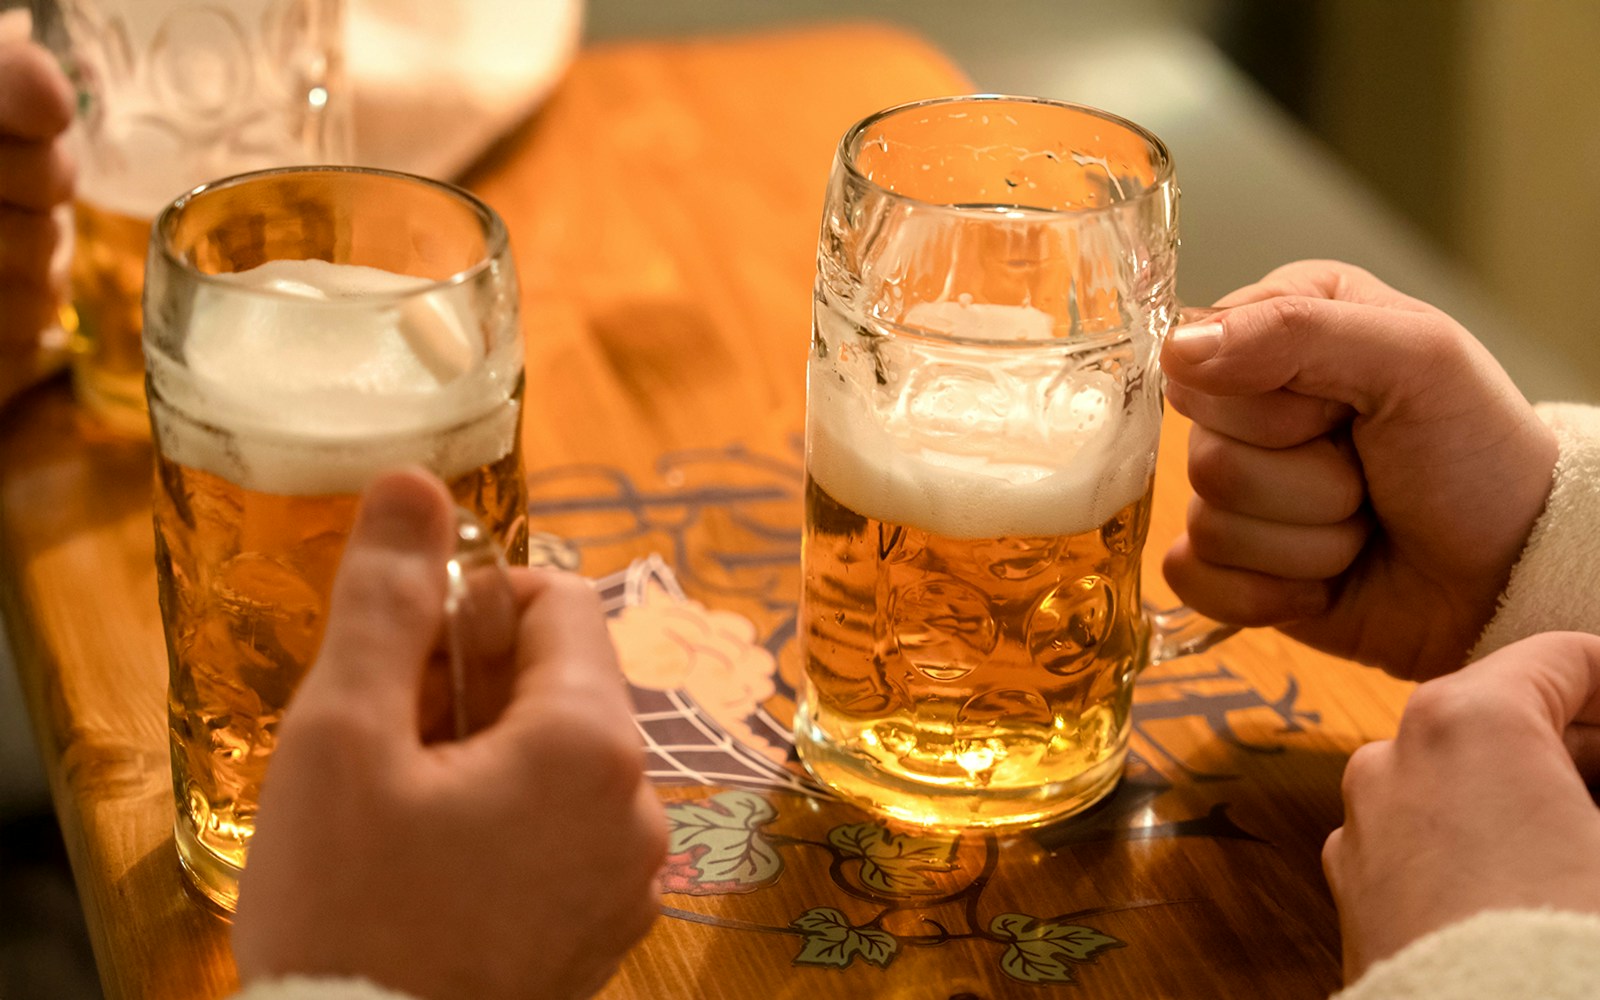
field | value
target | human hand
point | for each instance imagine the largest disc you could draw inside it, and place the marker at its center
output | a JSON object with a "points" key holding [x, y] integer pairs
{"points": [[36, 175], [1478, 803], [517, 862], [1366, 473]]}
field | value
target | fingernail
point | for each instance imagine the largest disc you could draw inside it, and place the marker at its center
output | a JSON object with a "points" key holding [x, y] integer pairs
{"points": [[1196, 343]]}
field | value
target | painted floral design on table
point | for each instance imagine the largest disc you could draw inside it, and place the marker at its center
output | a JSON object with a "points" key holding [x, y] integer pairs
{"points": [[713, 709], [923, 889]]}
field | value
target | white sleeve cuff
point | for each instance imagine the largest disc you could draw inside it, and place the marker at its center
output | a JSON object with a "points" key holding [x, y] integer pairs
{"points": [[317, 988], [1495, 955], [1555, 585]]}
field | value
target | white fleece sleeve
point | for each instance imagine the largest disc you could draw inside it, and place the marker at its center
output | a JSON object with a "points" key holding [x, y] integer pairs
{"points": [[1555, 585], [308, 988], [1495, 955]]}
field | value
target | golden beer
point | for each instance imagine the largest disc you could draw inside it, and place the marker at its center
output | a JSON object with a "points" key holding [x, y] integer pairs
{"points": [[962, 682], [107, 280], [244, 578]]}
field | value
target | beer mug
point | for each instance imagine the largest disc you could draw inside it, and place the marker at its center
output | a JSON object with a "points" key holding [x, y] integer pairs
{"points": [[305, 329], [995, 275], [174, 93]]}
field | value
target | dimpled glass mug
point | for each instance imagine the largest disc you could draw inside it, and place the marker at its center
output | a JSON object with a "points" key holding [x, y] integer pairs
{"points": [[174, 93], [306, 329], [995, 276]]}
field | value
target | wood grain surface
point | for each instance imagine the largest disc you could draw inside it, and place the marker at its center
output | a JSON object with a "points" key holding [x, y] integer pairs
{"points": [[663, 209]]}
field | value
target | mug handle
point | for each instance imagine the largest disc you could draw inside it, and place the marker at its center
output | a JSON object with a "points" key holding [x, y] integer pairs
{"points": [[480, 612], [1182, 631]]}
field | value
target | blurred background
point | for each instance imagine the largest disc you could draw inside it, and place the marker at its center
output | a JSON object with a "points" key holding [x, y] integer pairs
{"points": [[1451, 146]]}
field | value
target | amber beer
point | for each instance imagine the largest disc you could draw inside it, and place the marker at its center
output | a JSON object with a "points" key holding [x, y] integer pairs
{"points": [[244, 576], [250, 527], [277, 390], [107, 275], [941, 666]]}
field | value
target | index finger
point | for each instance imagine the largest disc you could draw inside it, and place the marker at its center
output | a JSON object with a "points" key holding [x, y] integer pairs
{"points": [[35, 97], [1359, 355], [1323, 279]]}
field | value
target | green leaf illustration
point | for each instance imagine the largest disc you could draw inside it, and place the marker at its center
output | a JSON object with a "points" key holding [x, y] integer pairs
{"points": [[830, 940], [727, 827], [1041, 950], [894, 863], [1035, 962]]}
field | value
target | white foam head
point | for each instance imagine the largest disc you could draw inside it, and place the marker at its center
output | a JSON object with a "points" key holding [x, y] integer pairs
{"points": [[303, 376], [1013, 443]]}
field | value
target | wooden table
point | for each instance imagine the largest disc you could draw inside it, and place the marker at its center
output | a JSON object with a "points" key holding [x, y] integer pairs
{"points": [[663, 209]]}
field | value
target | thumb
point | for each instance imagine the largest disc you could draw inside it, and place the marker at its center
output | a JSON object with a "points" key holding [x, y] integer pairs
{"points": [[387, 606], [1366, 356], [1560, 669]]}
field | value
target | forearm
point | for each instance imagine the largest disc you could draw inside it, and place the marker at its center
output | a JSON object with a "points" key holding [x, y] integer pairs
{"points": [[1555, 585]]}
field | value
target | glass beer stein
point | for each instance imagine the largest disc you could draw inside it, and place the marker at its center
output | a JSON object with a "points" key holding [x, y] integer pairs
{"points": [[305, 330], [995, 275], [174, 93]]}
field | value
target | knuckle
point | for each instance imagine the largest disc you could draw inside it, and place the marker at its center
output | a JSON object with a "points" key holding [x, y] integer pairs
{"points": [[1332, 852], [1214, 471], [331, 730], [397, 588], [1365, 765], [570, 588], [62, 176], [1346, 495], [1336, 547], [1347, 282], [1443, 711], [1291, 315], [1211, 536]]}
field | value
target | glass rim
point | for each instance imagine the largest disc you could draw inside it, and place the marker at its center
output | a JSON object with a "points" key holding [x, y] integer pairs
{"points": [[850, 144], [496, 239]]}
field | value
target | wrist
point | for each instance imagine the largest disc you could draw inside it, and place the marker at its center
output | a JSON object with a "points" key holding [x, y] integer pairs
{"points": [[295, 987], [1493, 955], [1551, 584]]}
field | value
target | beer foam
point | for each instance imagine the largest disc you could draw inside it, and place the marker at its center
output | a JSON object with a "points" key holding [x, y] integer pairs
{"points": [[306, 337], [304, 376], [1014, 446]]}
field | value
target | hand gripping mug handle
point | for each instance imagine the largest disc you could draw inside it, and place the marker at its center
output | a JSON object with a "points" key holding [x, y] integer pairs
{"points": [[1182, 631], [480, 612]]}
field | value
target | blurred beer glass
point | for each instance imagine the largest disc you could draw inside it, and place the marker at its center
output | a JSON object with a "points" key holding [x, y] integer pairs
{"points": [[304, 330], [174, 93], [995, 275]]}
